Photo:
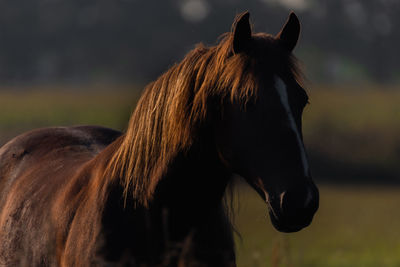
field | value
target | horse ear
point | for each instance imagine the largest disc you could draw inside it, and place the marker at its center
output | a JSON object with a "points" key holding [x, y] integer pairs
{"points": [[289, 34], [241, 32]]}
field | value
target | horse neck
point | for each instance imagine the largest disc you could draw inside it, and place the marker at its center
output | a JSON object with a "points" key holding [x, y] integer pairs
{"points": [[187, 197], [195, 178]]}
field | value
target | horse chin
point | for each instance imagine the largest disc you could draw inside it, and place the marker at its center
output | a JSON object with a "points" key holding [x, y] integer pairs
{"points": [[285, 226]]}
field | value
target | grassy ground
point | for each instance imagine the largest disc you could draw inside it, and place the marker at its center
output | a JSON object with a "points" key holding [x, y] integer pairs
{"points": [[23, 110], [358, 125], [355, 226], [345, 127]]}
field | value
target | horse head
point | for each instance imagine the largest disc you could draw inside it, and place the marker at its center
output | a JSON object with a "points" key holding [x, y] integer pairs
{"points": [[259, 135]]}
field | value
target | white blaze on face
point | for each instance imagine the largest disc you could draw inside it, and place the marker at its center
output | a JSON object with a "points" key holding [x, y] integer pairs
{"points": [[282, 91]]}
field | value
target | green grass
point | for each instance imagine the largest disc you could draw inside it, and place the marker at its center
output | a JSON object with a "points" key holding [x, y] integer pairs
{"points": [[22, 110], [355, 125], [336, 119], [355, 226], [358, 125]]}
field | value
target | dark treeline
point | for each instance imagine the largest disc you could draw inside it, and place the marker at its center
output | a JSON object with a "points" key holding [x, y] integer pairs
{"points": [[47, 41]]}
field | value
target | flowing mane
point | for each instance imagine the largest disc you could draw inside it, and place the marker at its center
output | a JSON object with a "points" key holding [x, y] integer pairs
{"points": [[173, 108]]}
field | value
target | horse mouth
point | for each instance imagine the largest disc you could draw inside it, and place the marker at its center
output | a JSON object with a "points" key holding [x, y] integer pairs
{"points": [[285, 224], [290, 211], [287, 227]]}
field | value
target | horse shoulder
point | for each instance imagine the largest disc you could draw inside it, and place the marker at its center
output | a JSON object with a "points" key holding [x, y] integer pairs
{"points": [[78, 212]]}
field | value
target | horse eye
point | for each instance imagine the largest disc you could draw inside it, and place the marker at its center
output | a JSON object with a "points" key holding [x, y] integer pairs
{"points": [[303, 98]]}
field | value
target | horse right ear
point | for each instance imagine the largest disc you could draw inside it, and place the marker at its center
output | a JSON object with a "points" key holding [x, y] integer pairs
{"points": [[289, 34], [241, 32]]}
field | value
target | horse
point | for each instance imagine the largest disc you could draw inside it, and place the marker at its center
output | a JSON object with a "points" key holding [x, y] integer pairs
{"points": [[154, 195]]}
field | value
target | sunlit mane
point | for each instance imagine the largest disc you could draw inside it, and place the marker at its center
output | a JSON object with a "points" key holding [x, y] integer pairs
{"points": [[173, 108]]}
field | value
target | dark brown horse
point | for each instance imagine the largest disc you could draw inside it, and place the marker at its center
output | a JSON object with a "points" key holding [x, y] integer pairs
{"points": [[91, 196]]}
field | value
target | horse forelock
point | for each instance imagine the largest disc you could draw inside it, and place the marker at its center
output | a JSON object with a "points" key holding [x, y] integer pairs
{"points": [[172, 109]]}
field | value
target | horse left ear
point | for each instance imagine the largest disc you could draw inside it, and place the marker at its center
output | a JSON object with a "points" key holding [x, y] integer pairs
{"points": [[289, 34], [241, 32]]}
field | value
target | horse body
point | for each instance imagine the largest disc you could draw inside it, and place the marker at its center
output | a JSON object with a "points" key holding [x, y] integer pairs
{"points": [[29, 192], [91, 196], [56, 205]]}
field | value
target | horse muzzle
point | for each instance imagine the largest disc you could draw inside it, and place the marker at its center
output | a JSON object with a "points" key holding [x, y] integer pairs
{"points": [[293, 210]]}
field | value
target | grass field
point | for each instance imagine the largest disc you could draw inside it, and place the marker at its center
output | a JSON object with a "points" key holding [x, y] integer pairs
{"points": [[29, 108], [355, 225], [357, 125], [346, 126]]}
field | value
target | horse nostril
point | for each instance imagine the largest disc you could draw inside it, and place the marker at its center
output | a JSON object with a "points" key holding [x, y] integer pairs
{"points": [[281, 197], [295, 201], [292, 202]]}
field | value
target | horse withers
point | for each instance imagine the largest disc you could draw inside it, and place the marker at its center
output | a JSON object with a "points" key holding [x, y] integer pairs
{"points": [[153, 196]]}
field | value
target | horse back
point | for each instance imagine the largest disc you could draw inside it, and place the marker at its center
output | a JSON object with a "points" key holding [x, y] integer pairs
{"points": [[35, 168]]}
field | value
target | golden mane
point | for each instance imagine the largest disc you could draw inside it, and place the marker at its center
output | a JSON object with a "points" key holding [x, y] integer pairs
{"points": [[172, 109]]}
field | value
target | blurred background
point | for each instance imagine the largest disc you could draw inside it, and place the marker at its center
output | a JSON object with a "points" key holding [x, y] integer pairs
{"points": [[86, 62]]}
